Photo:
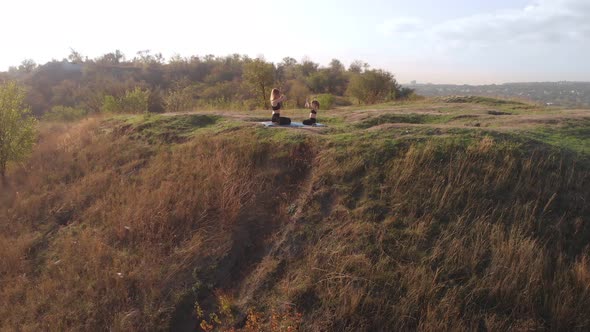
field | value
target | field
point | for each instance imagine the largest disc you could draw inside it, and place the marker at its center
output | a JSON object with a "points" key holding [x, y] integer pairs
{"points": [[463, 213]]}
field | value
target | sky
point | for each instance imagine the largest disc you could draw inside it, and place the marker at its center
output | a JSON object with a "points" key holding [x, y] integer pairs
{"points": [[451, 41]]}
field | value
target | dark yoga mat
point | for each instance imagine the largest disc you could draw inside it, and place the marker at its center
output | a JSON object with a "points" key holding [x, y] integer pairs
{"points": [[293, 125]]}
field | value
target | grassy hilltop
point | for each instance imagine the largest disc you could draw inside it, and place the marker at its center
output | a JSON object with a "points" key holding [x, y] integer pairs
{"points": [[460, 213]]}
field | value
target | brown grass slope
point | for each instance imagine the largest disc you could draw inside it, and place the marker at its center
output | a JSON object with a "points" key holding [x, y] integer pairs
{"points": [[445, 238], [100, 231], [104, 230]]}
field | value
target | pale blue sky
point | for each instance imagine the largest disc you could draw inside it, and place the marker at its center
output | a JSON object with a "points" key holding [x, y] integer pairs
{"points": [[453, 41]]}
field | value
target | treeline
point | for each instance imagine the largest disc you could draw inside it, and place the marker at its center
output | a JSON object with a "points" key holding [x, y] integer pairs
{"points": [[149, 83]]}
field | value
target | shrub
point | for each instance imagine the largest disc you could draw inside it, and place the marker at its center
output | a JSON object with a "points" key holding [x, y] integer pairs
{"points": [[406, 93], [134, 101], [17, 126], [326, 101], [110, 104], [341, 101], [373, 86], [179, 100], [65, 114], [297, 92]]}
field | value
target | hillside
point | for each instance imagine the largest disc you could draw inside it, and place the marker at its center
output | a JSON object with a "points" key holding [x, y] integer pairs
{"points": [[457, 213], [560, 94]]}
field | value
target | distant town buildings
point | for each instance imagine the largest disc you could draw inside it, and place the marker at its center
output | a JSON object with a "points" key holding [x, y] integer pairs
{"points": [[567, 94]]}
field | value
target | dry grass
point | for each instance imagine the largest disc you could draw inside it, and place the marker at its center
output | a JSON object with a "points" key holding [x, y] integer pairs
{"points": [[443, 237], [106, 232], [99, 231]]}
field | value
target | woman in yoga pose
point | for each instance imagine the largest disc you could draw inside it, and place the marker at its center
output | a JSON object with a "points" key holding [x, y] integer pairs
{"points": [[313, 113], [276, 102]]}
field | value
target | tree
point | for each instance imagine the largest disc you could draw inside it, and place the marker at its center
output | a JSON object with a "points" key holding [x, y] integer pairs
{"points": [[75, 57], [357, 66], [318, 81], [259, 77], [145, 58], [373, 86], [287, 69], [17, 126], [113, 58], [336, 65], [298, 92], [308, 67], [332, 79], [27, 65], [337, 79]]}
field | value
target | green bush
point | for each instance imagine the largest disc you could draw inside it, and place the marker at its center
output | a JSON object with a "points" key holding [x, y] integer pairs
{"points": [[134, 101], [326, 101], [373, 86], [18, 128], [340, 101], [110, 104], [65, 114], [179, 100]]}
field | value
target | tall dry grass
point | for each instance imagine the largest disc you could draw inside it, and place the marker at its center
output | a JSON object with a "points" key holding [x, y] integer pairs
{"points": [[102, 232], [439, 237]]}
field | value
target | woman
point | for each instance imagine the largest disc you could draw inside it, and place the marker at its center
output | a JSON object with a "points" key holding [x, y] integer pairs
{"points": [[276, 102], [313, 113]]}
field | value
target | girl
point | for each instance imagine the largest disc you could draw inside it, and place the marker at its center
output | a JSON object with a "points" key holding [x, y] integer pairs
{"points": [[315, 106], [276, 102]]}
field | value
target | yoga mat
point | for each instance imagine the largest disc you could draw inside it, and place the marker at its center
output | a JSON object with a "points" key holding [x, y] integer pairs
{"points": [[292, 125]]}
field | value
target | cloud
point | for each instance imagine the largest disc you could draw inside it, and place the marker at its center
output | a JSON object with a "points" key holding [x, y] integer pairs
{"points": [[400, 25], [543, 21]]}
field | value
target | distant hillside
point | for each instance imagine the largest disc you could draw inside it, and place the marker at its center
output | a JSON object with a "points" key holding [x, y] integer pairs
{"points": [[568, 94]]}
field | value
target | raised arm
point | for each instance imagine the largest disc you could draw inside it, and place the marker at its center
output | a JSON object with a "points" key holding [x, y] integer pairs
{"points": [[278, 100]]}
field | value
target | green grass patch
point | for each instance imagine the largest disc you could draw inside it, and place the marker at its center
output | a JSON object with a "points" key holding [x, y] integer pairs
{"points": [[407, 104], [259, 118], [169, 129], [574, 136], [402, 118], [482, 100], [332, 121], [279, 135]]}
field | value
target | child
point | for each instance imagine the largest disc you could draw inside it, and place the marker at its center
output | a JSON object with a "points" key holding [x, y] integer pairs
{"points": [[276, 102], [315, 106]]}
